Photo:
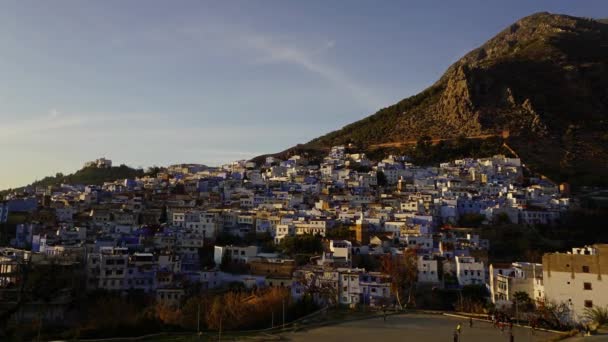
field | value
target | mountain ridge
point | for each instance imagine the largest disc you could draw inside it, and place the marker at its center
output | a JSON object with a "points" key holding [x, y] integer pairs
{"points": [[543, 79]]}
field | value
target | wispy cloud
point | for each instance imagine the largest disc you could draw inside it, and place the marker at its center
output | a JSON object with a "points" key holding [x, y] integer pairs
{"points": [[274, 51], [42, 123], [57, 123], [269, 48]]}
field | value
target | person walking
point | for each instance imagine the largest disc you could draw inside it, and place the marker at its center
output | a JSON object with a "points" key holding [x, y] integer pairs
{"points": [[458, 328], [470, 322]]}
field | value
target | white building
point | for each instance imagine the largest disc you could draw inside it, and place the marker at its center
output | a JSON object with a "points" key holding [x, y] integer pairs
{"points": [[427, 269], [341, 249], [577, 278], [236, 253], [517, 277], [469, 271]]}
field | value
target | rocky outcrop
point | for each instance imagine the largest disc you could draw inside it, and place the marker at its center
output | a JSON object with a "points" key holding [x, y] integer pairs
{"points": [[535, 78]]}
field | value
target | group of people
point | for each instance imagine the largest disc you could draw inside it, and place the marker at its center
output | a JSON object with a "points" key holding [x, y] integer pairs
{"points": [[501, 321]]}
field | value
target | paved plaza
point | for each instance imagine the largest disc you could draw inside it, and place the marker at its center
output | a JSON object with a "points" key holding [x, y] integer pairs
{"points": [[415, 327]]}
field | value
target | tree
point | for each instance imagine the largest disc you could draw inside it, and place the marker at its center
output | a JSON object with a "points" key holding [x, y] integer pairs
{"points": [[501, 218], [597, 315], [403, 270], [215, 315], [341, 231], [153, 171], [381, 178], [232, 266], [472, 298], [320, 288], [555, 315], [305, 244], [523, 301], [424, 149]]}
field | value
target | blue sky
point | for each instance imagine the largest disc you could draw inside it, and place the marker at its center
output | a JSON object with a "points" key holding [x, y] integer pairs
{"points": [[159, 82]]}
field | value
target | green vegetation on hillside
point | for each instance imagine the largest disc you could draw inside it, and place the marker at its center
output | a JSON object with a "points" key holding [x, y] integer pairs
{"points": [[377, 128], [426, 153], [91, 175], [510, 242]]}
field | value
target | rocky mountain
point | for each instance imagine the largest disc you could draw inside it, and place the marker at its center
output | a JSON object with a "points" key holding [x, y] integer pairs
{"points": [[544, 79]]}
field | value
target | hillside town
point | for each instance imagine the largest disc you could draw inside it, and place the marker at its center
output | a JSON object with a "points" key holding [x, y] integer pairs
{"points": [[343, 232]]}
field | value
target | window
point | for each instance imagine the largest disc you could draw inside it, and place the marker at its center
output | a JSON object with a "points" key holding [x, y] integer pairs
{"points": [[588, 303], [585, 269], [587, 286]]}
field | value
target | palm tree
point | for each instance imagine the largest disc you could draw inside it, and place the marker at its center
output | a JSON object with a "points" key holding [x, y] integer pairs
{"points": [[597, 314]]}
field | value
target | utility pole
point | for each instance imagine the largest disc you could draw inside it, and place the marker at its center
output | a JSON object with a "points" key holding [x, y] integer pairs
{"points": [[283, 313], [219, 338], [39, 326], [198, 321], [516, 312], [460, 299]]}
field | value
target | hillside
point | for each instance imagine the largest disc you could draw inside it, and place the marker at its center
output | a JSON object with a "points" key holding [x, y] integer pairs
{"points": [[90, 176], [544, 79]]}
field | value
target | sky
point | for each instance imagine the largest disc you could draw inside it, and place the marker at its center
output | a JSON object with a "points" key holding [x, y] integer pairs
{"points": [[147, 82]]}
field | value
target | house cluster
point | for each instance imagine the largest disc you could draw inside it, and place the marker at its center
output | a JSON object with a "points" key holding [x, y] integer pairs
{"points": [[186, 224], [101, 163], [576, 278]]}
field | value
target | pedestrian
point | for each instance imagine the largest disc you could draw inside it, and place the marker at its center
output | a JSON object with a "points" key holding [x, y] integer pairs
{"points": [[458, 328], [511, 325], [470, 322]]}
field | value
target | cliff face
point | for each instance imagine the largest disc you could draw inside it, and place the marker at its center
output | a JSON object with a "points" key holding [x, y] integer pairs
{"points": [[544, 78]]}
